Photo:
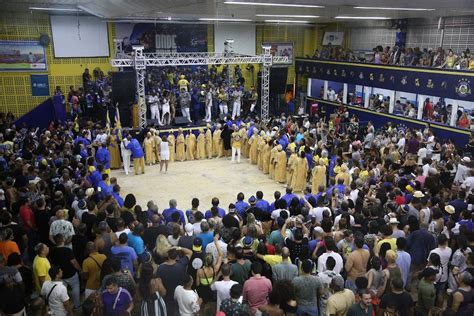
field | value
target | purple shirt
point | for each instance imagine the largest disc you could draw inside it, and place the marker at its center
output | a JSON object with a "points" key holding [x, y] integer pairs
{"points": [[412, 147], [121, 300]]}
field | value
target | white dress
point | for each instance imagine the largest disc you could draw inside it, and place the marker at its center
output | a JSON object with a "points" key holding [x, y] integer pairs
{"points": [[164, 151]]}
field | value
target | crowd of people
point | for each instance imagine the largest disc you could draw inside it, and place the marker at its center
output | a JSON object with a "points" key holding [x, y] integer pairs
{"points": [[426, 57], [371, 222]]}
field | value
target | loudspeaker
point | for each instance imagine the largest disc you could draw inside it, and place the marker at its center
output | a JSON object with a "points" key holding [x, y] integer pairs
{"points": [[278, 77], [181, 121], [124, 89]]}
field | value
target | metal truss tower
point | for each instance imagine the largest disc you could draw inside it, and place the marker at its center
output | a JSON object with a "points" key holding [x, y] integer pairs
{"points": [[140, 61]]}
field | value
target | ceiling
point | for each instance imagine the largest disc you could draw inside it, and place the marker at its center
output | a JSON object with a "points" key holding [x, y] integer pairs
{"points": [[193, 10]]}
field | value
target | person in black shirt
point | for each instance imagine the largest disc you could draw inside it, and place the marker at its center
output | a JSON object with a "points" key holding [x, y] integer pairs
{"points": [[397, 301], [64, 258], [111, 219], [19, 235], [152, 232], [90, 219], [79, 242]]}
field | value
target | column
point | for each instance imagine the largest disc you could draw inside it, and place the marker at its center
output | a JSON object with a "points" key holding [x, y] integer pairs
{"points": [[392, 102], [325, 93], [454, 113], [367, 91], [344, 93], [309, 88], [420, 100]]}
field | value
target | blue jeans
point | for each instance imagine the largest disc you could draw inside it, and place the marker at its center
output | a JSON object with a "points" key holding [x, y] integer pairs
{"points": [[75, 285], [351, 285], [307, 311]]}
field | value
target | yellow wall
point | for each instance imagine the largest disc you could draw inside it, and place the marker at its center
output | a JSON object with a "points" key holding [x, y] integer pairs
{"points": [[15, 87]]}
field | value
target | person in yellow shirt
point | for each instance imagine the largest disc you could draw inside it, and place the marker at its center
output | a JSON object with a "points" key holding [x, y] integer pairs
{"points": [[236, 144], [91, 268], [41, 266], [387, 238], [183, 83]]}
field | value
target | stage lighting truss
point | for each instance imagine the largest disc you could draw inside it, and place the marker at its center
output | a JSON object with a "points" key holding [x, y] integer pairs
{"points": [[140, 61]]}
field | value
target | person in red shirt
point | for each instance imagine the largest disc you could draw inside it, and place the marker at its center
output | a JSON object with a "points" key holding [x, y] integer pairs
{"points": [[27, 218]]}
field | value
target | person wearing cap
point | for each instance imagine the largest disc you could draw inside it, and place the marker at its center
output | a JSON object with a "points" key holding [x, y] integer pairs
{"points": [[458, 204], [426, 292], [341, 299], [396, 232], [462, 170], [186, 241]]}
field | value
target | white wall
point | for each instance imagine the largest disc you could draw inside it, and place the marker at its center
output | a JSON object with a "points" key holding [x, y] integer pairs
{"points": [[242, 34]]}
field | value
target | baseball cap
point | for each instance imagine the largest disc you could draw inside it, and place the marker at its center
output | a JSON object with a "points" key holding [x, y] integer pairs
{"points": [[252, 200], [197, 244], [189, 229], [247, 241]]}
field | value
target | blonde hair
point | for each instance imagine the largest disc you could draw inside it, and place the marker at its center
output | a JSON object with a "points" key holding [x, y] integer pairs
{"points": [[391, 256], [162, 246]]}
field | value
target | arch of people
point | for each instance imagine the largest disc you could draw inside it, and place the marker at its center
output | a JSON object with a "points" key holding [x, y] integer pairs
{"points": [[140, 60]]}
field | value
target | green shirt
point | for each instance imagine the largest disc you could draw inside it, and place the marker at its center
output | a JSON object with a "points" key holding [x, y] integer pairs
{"points": [[426, 297], [356, 310], [240, 272]]}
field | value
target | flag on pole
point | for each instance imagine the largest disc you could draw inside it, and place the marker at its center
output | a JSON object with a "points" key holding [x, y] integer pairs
{"points": [[107, 123], [118, 124]]}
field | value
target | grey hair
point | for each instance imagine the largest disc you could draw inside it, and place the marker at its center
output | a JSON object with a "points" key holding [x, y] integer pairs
{"points": [[465, 277], [173, 203]]}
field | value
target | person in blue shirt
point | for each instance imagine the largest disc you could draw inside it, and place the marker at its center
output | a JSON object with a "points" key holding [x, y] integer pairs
{"points": [[96, 176], [102, 156], [116, 195], [206, 235], [137, 155], [136, 242], [283, 140], [167, 213], [215, 203], [241, 205], [289, 195], [126, 254], [341, 188], [261, 203], [277, 196], [82, 138], [104, 188]]}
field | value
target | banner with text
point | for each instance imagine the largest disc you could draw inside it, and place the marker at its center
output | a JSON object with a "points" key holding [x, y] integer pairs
{"points": [[454, 84]]}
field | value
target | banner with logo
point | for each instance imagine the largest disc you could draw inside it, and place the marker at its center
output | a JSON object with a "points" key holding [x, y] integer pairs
{"points": [[22, 56], [163, 37], [281, 49], [453, 84], [39, 85]]}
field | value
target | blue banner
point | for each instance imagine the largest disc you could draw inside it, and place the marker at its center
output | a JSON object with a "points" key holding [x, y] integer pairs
{"points": [[39, 85], [453, 84]]}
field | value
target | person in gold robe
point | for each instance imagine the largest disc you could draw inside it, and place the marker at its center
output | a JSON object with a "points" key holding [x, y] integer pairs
{"points": [[171, 145], [190, 146], [271, 170], [280, 165], [260, 146], [253, 143], [319, 177], [290, 170], [201, 145], [244, 142], [266, 156], [344, 174], [148, 145], [301, 170], [217, 148], [209, 151], [113, 148], [156, 146], [180, 142]]}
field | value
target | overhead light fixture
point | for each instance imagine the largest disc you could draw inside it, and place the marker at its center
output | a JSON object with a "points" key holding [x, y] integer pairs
{"points": [[225, 19], [395, 9], [85, 9], [272, 4], [288, 16], [55, 9], [285, 21], [361, 18]]}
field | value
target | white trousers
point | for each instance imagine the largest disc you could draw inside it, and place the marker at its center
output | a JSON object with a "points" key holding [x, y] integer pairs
{"points": [[186, 114], [234, 152], [126, 161], [208, 112], [155, 113], [223, 108], [252, 107], [235, 110]]}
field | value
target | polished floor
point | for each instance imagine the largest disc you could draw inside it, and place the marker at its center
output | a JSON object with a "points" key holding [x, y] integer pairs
{"points": [[203, 179]]}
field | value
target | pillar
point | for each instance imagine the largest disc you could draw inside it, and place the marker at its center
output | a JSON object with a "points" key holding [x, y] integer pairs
{"points": [[325, 93], [392, 101], [367, 91], [454, 113], [420, 100], [344, 93]]}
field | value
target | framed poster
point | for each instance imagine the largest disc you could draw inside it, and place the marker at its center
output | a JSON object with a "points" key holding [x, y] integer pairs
{"points": [[22, 56], [281, 49], [333, 38]]}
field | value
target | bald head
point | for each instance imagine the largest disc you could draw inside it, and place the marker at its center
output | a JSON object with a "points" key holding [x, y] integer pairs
{"points": [[155, 220], [285, 253]]}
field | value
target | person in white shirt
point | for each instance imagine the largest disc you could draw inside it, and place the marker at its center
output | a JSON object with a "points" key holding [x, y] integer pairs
{"points": [[189, 303], [212, 249], [422, 152], [208, 105], [331, 94], [237, 95], [461, 173], [401, 144], [153, 100], [101, 137], [223, 287], [469, 182], [330, 252], [444, 253], [55, 294], [126, 154]]}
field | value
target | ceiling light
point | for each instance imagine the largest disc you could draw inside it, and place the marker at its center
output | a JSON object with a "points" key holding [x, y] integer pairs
{"points": [[396, 9], [55, 9], [285, 21], [225, 19], [361, 18], [294, 5], [288, 16]]}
